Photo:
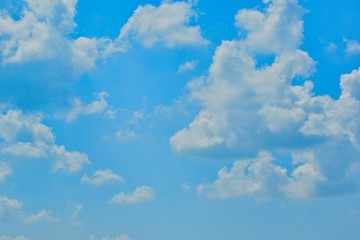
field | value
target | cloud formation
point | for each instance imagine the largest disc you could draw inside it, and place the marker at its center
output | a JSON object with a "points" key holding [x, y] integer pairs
{"points": [[252, 110], [8, 204], [42, 34], [101, 177], [139, 195], [99, 105], [14, 208], [167, 24], [25, 136]]}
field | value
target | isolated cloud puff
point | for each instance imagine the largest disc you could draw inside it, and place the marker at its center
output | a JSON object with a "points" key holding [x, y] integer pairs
{"points": [[101, 177], [139, 195], [252, 111], [25, 136], [167, 24]]}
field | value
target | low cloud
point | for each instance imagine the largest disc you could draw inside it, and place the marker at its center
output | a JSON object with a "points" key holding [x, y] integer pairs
{"points": [[25, 136], [167, 23], [139, 195], [101, 177]]}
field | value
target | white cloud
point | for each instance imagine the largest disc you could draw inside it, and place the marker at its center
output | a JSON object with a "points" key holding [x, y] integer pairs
{"points": [[101, 177], [266, 30], [99, 105], [42, 216], [139, 195], [15, 207], [257, 177], [25, 136], [187, 66], [70, 162], [13, 238], [167, 23], [352, 47], [248, 108], [8, 204], [5, 171], [350, 85], [42, 33], [261, 178], [118, 237]]}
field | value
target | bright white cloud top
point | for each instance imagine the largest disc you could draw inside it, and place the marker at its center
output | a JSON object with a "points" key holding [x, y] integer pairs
{"points": [[228, 120]]}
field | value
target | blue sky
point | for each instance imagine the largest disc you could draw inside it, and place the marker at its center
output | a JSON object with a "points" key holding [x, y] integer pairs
{"points": [[146, 120]]}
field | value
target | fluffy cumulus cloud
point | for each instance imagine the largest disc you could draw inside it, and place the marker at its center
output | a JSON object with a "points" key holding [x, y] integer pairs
{"points": [[167, 24], [25, 136], [101, 177], [39, 57], [139, 195], [252, 111], [42, 33]]}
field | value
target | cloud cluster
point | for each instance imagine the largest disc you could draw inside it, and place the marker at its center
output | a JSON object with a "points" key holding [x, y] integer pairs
{"points": [[39, 55], [252, 110], [25, 136], [43, 32], [14, 207]]}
